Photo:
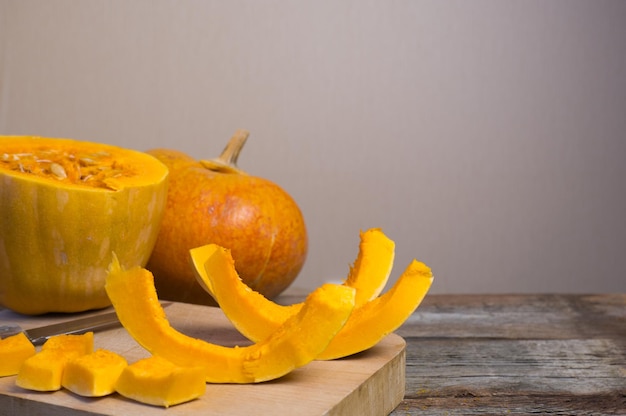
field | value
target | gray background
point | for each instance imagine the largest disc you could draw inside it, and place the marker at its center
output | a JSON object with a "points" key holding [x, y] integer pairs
{"points": [[487, 138]]}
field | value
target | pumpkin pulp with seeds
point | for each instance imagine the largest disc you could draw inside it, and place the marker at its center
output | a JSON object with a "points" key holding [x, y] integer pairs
{"points": [[65, 206], [96, 169]]}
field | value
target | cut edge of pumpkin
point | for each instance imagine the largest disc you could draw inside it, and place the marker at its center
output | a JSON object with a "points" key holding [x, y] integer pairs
{"points": [[131, 168], [371, 322], [214, 265], [256, 316], [371, 270], [216, 268], [296, 342]]}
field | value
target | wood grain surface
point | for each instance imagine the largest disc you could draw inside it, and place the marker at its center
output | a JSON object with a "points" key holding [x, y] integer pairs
{"points": [[494, 355], [516, 355], [370, 383]]}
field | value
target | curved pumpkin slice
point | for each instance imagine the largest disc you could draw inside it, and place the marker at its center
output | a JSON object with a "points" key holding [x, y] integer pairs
{"points": [[256, 316], [373, 265], [376, 319], [298, 341], [368, 274]]}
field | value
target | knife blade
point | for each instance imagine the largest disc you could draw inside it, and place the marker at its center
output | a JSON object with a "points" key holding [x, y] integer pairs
{"points": [[78, 326]]}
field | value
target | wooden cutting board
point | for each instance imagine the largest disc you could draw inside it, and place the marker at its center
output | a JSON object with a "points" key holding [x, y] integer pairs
{"points": [[369, 383]]}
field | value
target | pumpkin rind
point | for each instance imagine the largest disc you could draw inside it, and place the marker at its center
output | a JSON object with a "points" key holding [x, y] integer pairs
{"points": [[56, 236], [300, 339], [254, 217]]}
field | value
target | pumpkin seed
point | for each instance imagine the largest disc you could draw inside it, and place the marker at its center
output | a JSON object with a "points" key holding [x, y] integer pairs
{"points": [[86, 161], [58, 171]]}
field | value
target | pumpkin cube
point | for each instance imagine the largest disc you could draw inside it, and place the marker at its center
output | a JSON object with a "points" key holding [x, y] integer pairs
{"points": [[157, 381], [93, 375], [14, 350], [44, 370], [83, 344]]}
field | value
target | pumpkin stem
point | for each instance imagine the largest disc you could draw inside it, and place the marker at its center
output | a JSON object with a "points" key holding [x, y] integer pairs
{"points": [[227, 161]]}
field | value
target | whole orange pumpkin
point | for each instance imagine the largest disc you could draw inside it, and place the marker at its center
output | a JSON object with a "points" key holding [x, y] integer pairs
{"points": [[213, 201]]}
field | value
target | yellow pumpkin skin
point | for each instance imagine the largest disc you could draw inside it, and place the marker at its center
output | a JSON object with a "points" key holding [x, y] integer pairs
{"points": [[214, 202], [57, 235], [256, 316], [295, 343]]}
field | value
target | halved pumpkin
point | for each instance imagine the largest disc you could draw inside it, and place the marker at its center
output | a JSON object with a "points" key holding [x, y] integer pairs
{"points": [[300, 339], [64, 206], [256, 316]]}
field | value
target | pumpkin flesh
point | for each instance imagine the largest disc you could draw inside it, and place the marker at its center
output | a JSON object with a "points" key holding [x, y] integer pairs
{"points": [[373, 265], [295, 343], [256, 316], [378, 318], [368, 275], [44, 370], [14, 350], [93, 375], [159, 382]]}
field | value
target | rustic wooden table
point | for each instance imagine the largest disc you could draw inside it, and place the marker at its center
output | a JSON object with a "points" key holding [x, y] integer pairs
{"points": [[516, 354]]}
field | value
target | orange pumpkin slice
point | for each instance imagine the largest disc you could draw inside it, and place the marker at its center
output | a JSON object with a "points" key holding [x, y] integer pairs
{"points": [[256, 316], [368, 274], [378, 318], [295, 343]]}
